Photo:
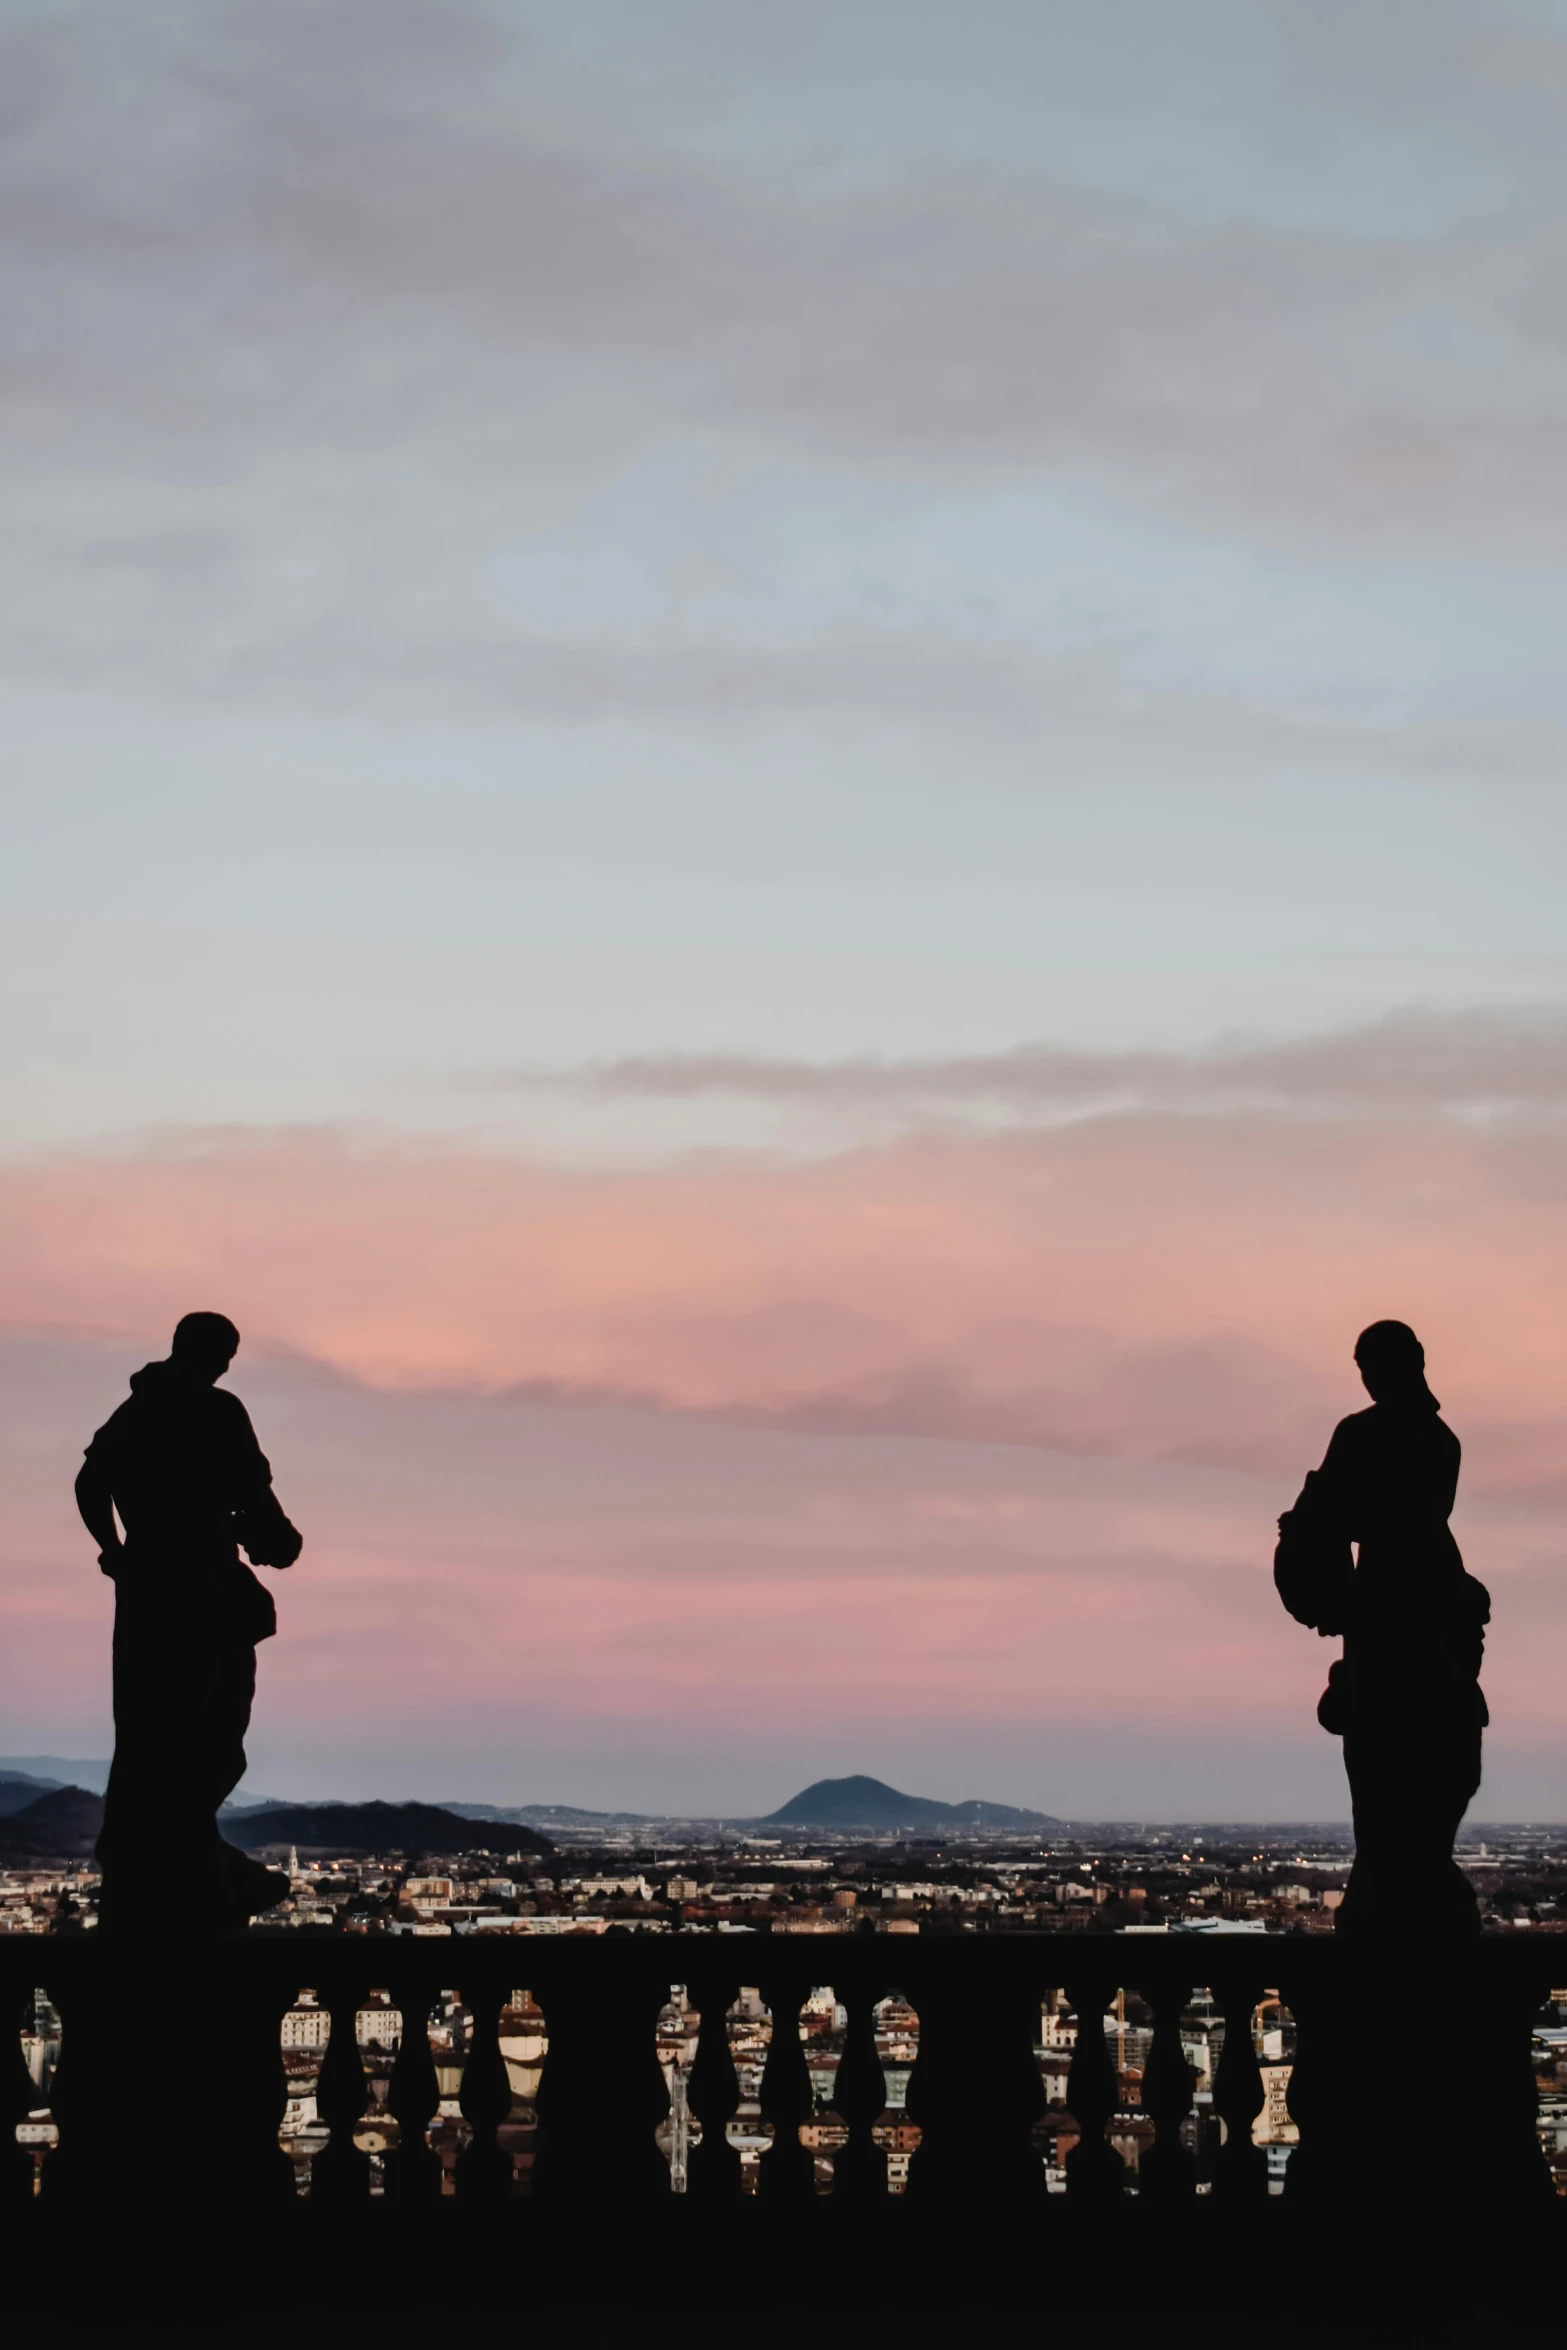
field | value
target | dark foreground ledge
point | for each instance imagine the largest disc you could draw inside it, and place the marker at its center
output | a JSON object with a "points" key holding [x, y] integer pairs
{"points": [[1418, 2176]]}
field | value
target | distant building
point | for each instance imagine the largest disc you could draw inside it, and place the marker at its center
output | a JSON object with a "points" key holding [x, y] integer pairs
{"points": [[1273, 2126]]}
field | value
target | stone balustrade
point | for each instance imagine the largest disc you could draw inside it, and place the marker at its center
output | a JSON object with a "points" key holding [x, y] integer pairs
{"points": [[1412, 2093]]}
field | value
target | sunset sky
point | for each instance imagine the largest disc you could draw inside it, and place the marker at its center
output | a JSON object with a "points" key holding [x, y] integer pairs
{"points": [[790, 779]]}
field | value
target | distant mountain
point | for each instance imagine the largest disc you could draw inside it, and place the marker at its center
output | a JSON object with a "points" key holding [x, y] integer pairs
{"points": [[19, 1788], [39, 1821], [60, 1825], [55, 1770], [555, 1815], [829, 1803], [372, 1827], [63, 1824], [870, 1803]]}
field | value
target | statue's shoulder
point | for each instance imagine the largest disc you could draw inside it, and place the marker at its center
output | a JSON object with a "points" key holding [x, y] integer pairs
{"points": [[121, 1421], [1353, 1435], [228, 1412]]}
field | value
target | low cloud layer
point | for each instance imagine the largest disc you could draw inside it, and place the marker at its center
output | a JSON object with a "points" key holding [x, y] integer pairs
{"points": [[1466, 1062], [569, 1602], [1144, 1285]]}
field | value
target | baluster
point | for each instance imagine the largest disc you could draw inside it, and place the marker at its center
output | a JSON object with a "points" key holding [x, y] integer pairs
{"points": [[413, 2171], [1342, 2008], [935, 2093], [788, 2172], [235, 2017], [713, 2175], [859, 2169], [106, 2198], [602, 2093], [230, 2034], [1006, 2096], [340, 2173], [1338, 2079], [1168, 2169], [1514, 2176], [95, 2087], [17, 2099], [1240, 2169], [1095, 2173], [484, 2173], [674, 2125], [1497, 1989], [975, 2090]]}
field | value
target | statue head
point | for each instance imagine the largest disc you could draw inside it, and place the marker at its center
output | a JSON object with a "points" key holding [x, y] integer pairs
{"points": [[1392, 1365], [204, 1345]]}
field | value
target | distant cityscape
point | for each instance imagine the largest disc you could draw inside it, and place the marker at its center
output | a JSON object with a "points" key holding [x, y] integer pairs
{"points": [[528, 1871], [845, 1856]]}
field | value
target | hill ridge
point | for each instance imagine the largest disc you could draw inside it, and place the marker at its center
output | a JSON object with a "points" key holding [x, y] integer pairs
{"points": [[372, 1827], [862, 1802], [61, 1824]]}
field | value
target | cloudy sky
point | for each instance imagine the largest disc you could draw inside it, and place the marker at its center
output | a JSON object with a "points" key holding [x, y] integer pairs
{"points": [[791, 779]]}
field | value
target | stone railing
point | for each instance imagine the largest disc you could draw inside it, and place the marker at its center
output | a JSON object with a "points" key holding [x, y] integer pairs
{"points": [[1412, 2092]]}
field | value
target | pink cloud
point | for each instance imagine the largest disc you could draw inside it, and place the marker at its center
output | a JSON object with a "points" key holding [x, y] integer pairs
{"points": [[1139, 1286], [1408, 1060]]}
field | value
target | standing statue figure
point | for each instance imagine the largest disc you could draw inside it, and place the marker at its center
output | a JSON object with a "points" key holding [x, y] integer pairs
{"points": [[1405, 1697], [180, 1463]]}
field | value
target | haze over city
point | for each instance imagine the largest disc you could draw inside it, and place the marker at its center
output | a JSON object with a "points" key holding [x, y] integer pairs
{"points": [[791, 788]]}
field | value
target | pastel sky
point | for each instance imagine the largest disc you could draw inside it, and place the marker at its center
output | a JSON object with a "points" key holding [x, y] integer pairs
{"points": [[791, 780]]}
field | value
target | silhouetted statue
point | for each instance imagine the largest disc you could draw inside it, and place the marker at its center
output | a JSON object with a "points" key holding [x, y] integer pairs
{"points": [[1405, 1697], [180, 1463]]}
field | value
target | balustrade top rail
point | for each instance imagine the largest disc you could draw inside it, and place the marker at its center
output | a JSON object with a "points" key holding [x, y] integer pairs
{"points": [[269, 1966]]}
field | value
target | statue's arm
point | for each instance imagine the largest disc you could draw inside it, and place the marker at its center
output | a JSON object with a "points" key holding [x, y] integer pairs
{"points": [[261, 1523], [1332, 1486], [95, 1501], [269, 1536], [1313, 1568]]}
